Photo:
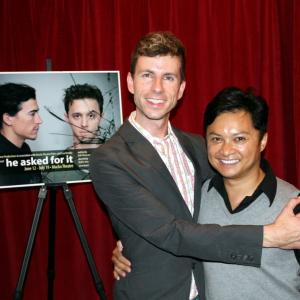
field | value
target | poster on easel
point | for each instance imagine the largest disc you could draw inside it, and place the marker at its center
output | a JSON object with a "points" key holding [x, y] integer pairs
{"points": [[52, 122]]}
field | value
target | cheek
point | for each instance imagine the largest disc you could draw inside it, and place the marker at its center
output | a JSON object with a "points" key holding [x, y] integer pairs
{"points": [[212, 149], [75, 129], [210, 154], [93, 124]]}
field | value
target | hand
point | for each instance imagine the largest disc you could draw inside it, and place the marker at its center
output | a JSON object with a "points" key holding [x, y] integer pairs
{"points": [[285, 231], [122, 265]]}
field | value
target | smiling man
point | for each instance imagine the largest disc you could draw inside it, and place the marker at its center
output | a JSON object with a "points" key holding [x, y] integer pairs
{"points": [[149, 176], [20, 120], [245, 191]]}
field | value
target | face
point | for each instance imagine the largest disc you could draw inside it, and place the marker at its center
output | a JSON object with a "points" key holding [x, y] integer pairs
{"points": [[25, 124], [234, 145], [157, 87], [84, 117]]}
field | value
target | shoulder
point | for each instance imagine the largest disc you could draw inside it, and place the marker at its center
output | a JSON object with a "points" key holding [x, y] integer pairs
{"points": [[205, 186], [286, 189], [26, 148], [196, 139]]}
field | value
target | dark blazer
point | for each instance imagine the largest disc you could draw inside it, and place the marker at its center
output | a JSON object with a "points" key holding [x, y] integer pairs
{"points": [[148, 213]]}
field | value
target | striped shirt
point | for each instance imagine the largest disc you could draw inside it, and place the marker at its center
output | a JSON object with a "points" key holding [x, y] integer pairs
{"points": [[179, 166]]}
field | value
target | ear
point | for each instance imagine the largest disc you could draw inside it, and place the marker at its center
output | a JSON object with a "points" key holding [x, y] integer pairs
{"points": [[67, 118], [7, 119], [181, 89], [130, 83], [263, 142]]}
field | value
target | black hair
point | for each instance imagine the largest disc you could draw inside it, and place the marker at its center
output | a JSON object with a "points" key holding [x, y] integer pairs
{"points": [[233, 99], [12, 95], [81, 91]]}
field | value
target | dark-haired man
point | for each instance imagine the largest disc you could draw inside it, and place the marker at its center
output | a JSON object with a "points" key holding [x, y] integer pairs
{"points": [[84, 106], [149, 176], [245, 191], [83, 109], [20, 120]]}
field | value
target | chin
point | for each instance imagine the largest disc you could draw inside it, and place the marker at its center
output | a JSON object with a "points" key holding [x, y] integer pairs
{"points": [[31, 137]]}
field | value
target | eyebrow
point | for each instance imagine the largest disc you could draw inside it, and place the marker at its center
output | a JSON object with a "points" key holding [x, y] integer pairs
{"points": [[241, 132], [89, 111], [153, 72], [33, 110]]}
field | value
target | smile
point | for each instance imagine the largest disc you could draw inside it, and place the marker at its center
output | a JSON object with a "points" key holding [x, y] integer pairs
{"points": [[155, 101], [229, 161]]}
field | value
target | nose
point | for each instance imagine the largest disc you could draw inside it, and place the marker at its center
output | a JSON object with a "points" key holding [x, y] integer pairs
{"points": [[38, 119], [227, 148], [157, 85], [84, 122]]}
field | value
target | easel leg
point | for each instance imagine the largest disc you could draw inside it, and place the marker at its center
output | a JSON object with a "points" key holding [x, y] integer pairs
{"points": [[51, 241], [41, 199], [98, 282]]}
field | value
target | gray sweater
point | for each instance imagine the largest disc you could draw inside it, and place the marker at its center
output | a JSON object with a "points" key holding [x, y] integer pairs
{"points": [[279, 275]]}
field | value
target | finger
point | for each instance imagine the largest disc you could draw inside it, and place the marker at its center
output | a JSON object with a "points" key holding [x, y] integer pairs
{"points": [[121, 261], [293, 202], [124, 261], [293, 246], [120, 246], [289, 208], [116, 276], [120, 272], [120, 265], [119, 258]]}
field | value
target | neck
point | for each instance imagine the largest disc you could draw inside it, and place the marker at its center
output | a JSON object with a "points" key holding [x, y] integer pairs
{"points": [[238, 189], [157, 128]]}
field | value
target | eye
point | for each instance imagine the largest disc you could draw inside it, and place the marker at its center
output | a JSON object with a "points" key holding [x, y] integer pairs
{"points": [[146, 75], [169, 77], [240, 139], [92, 115], [76, 116], [33, 113], [215, 140]]}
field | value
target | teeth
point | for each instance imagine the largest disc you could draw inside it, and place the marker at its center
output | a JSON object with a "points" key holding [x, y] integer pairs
{"points": [[229, 161], [155, 101]]}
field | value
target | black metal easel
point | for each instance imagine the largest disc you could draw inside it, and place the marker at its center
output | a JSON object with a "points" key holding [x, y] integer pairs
{"points": [[18, 295]]}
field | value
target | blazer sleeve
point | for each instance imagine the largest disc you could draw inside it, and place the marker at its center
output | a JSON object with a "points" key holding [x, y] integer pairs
{"points": [[129, 201]]}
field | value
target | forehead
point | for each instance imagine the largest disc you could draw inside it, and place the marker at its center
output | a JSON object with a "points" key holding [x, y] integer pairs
{"points": [[239, 120], [166, 63], [29, 105], [84, 105]]}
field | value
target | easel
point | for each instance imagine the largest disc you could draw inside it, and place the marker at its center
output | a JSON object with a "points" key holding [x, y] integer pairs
{"points": [[51, 248]]}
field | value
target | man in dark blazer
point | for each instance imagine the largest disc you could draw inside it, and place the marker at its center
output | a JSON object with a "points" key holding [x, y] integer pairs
{"points": [[152, 207]]}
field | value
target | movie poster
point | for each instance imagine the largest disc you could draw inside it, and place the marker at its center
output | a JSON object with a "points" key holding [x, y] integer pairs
{"points": [[69, 130]]}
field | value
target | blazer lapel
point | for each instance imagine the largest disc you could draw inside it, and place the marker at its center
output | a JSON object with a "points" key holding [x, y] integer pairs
{"points": [[190, 151], [143, 150]]}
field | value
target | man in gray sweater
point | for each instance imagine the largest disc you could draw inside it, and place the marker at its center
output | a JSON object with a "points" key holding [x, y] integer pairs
{"points": [[245, 191]]}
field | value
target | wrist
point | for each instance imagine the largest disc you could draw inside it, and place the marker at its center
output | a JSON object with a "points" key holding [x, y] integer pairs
{"points": [[270, 238]]}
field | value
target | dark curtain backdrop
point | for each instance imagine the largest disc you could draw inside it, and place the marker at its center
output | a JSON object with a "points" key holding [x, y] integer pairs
{"points": [[229, 42]]}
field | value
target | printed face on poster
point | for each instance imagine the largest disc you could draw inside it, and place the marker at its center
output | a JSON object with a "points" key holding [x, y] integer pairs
{"points": [[74, 114]]}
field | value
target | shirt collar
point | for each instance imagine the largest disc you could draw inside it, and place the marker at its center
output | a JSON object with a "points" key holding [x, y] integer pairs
{"points": [[267, 186], [152, 139]]}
